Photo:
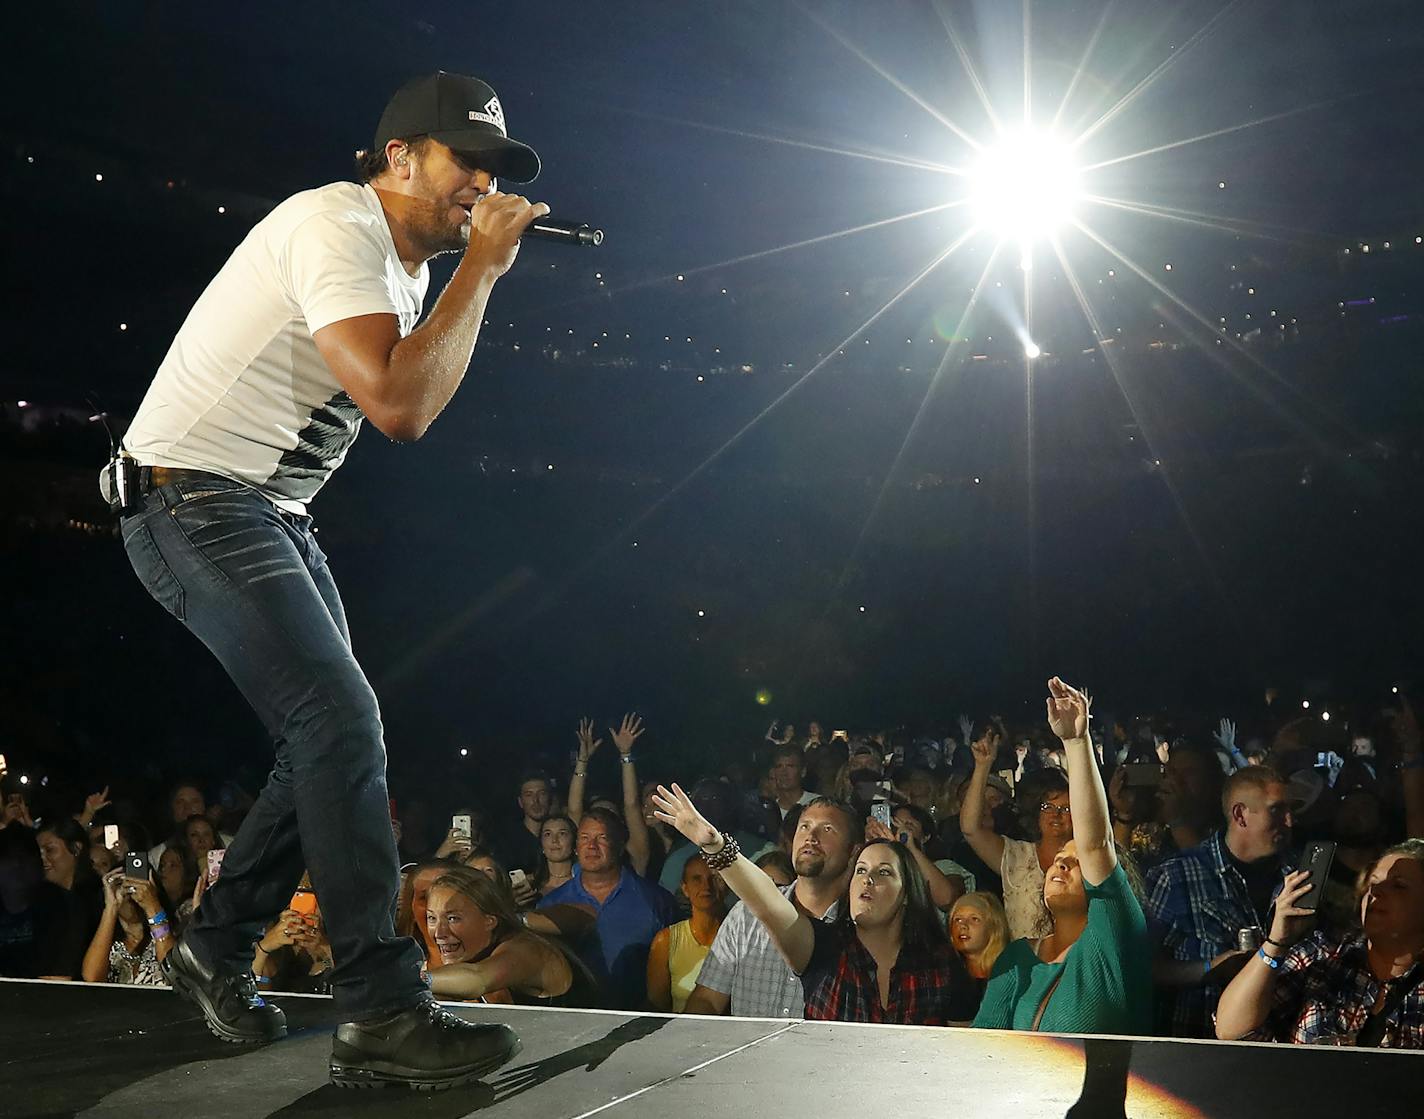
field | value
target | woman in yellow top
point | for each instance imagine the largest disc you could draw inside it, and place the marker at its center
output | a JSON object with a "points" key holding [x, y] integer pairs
{"points": [[675, 959]]}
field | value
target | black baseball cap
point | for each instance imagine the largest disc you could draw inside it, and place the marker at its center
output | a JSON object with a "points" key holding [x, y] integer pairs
{"points": [[462, 113]]}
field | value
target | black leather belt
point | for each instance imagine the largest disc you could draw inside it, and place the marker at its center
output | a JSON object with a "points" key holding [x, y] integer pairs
{"points": [[154, 477]]}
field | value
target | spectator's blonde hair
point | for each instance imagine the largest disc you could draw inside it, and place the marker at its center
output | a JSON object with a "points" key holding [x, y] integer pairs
{"points": [[991, 909], [1410, 848]]}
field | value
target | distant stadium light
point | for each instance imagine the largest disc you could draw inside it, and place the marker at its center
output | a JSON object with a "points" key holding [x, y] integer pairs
{"points": [[1032, 351]]}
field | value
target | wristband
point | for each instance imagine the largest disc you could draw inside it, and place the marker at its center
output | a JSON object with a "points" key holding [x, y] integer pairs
{"points": [[581, 772], [722, 859], [159, 918], [626, 759], [159, 932], [1271, 961], [1277, 943], [263, 980]]}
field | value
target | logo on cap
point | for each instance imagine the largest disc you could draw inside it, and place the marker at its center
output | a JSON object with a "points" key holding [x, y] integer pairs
{"points": [[492, 113]]}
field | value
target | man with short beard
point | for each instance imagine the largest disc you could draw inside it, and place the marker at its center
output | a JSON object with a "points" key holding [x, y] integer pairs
{"points": [[307, 329], [744, 973]]}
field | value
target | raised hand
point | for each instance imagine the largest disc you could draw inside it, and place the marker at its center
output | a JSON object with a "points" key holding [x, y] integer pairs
{"points": [[288, 930], [985, 749], [16, 811], [874, 829], [587, 743], [113, 887], [456, 843], [1291, 922], [675, 807], [628, 733], [93, 803], [1067, 710], [146, 896], [524, 893], [1226, 735], [966, 728]]}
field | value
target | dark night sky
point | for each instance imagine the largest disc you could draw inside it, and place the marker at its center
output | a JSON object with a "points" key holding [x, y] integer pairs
{"points": [[495, 600]]}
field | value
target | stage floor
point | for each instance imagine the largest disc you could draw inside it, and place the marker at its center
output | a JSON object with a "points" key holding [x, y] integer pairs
{"points": [[72, 1049]]}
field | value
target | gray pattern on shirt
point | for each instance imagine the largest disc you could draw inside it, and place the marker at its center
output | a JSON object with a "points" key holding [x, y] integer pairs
{"points": [[745, 965]]}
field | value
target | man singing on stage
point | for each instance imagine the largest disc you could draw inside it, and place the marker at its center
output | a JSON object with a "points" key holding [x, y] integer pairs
{"points": [[308, 327]]}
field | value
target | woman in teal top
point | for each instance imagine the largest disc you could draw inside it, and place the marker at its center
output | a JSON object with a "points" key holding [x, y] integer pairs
{"points": [[1093, 973]]}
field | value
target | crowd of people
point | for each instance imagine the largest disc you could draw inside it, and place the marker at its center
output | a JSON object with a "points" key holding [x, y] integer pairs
{"points": [[1082, 875]]}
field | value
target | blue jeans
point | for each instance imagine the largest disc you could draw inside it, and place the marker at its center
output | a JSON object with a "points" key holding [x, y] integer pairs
{"points": [[251, 583]]}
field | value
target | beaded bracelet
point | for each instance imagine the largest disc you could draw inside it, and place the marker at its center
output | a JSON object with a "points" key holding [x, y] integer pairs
{"points": [[721, 860]]}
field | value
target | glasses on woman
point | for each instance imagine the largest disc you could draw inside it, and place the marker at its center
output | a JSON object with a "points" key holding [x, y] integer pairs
{"points": [[1060, 809]]}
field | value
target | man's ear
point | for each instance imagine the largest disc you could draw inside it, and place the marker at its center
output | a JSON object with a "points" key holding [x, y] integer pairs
{"points": [[1237, 815], [398, 159]]}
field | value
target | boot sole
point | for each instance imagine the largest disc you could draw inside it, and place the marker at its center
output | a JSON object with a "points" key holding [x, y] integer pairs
{"points": [[216, 1026], [381, 1074]]}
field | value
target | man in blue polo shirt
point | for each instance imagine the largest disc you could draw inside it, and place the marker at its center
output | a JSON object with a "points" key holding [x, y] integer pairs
{"points": [[631, 910]]}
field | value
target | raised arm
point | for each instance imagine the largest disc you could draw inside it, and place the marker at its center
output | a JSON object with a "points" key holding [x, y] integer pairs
{"points": [[789, 928], [1248, 999], [1092, 824], [402, 384], [587, 745], [986, 842], [95, 968], [639, 846]]}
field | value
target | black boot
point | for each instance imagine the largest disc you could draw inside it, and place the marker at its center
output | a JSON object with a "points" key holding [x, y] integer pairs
{"points": [[230, 1003], [424, 1047]]}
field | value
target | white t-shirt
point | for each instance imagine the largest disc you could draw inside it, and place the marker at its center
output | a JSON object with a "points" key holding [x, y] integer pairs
{"points": [[243, 391]]}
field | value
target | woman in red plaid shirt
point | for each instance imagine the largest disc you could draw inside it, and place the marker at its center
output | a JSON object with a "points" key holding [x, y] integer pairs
{"points": [[886, 960], [1367, 989]]}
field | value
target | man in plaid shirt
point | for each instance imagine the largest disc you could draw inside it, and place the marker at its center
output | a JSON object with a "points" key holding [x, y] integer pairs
{"points": [[744, 972], [1198, 902]]}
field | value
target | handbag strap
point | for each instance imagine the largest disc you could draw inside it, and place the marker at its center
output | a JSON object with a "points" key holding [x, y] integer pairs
{"points": [[1373, 1033]]}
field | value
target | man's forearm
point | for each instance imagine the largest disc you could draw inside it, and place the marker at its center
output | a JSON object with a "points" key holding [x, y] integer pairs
{"points": [[426, 367]]}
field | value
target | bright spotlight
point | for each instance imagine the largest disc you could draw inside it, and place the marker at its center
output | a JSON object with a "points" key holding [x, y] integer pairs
{"points": [[1032, 351], [1026, 186]]}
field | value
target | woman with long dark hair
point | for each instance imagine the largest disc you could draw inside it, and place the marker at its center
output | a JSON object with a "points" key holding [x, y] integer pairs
{"points": [[64, 856], [886, 960]]}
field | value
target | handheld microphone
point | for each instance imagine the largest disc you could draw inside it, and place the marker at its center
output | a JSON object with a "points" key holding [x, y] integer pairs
{"points": [[564, 232]]}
